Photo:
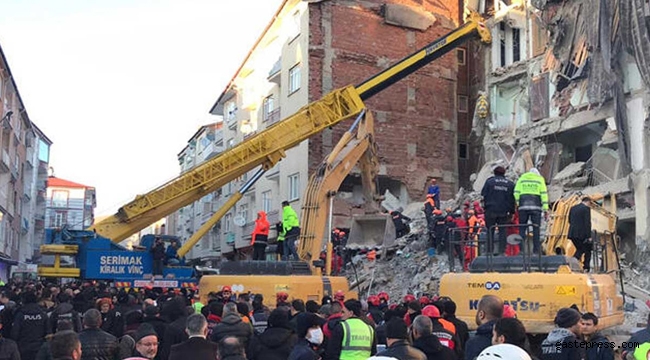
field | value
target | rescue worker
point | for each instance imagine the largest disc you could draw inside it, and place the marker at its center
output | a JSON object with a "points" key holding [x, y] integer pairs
{"points": [[291, 227], [281, 298], [446, 336], [339, 296], [352, 339], [429, 207], [279, 247], [383, 300], [498, 196], [531, 198], [471, 245], [580, 231], [260, 235], [374, 311], [439, 229], [434, 191], [401, 223]]}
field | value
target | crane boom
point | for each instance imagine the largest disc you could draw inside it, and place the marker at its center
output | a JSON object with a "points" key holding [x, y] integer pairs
{"points": [[255, 151]]}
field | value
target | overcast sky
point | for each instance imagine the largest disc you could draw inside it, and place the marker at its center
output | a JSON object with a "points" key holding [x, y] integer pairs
{"points": [[119, 86]]}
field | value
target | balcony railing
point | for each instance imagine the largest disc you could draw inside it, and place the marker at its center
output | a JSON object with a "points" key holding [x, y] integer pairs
{"points": [[272, 117], [5, 163]]}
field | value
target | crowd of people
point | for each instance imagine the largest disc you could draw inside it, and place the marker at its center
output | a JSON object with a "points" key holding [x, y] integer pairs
{"points": [[79, 321]]}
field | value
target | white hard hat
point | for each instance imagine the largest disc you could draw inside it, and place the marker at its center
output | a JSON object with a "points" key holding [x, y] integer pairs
{"points": [[534, 171], [503, 351]]}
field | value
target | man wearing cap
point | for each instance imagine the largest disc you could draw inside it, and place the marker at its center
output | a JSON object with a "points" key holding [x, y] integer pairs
{"points": [[398, 345], [531, 198], [146, 342], [310, 337], [352, 339], [498, 196], [580, 231], [561, 341]]}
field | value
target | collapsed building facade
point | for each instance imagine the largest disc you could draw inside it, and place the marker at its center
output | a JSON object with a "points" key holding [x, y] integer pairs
{"points": [[566, 89]]}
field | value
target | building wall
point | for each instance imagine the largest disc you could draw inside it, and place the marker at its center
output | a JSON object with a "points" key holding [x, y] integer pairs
{"points": [[20, 167], [65, 206], [415, 119]]}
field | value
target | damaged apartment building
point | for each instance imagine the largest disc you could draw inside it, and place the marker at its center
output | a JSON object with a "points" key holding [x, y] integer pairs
{"points": [[567, 84]]}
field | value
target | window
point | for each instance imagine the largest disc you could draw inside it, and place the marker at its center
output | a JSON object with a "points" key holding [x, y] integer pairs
{"points": [[516, 42], [43, 151], [266, 201], [294, 79], [231, 110], [462, 151], [59, 198], [295, 26], [294, 187], [463, 104], [243, 211], [59, 219], [461, 55], [230, 143], [227, 220], [268, 107]]}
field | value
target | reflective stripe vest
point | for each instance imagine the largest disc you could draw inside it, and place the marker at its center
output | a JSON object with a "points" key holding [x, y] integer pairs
{"points": [[530, 192], [357, 340], [641, 353]]}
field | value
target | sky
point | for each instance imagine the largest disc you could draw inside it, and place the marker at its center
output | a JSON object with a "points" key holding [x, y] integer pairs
{"points": [[120, 86]]}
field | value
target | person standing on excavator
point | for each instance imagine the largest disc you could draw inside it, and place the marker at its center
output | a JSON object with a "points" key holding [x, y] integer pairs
{"points": [[259, 238], [499, 200], [291, 227], [532, 200], [580, 231]]}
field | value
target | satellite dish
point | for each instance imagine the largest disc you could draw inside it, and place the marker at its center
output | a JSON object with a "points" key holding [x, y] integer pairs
{"points": [[239, 221]]}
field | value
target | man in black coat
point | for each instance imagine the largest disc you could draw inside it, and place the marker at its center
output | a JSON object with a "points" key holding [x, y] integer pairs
{"points": [[490, 308], [398, 345], [580, 231], [29, 327], [499, 200], [97, 344], [197, 346], [429, 344]]}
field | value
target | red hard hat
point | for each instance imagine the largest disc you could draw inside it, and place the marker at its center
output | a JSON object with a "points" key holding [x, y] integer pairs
{"points": [[431, 311], [281, 296], [392, 307], [383, 296], [373, 300], [409, 298], [509, 312], [424, 300], [340, 295], [226, 288]]}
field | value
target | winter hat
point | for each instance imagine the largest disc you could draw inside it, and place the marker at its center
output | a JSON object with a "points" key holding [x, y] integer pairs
{"points": [[143, 331], [304, 321], [396, 329], [567, 317], [279, 318]]}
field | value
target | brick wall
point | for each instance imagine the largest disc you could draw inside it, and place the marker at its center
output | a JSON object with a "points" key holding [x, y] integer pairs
{"points": [[415, 119]]}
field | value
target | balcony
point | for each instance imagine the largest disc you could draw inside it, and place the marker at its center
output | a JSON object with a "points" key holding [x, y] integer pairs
{"points": [[276, 70], [29, 157], [24, 226], [27, 192], [5, 162], [14, 173], [272, 117]]}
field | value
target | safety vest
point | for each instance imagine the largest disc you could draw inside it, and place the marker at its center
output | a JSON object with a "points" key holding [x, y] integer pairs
{"points": [[641, 353], [357, 340]]}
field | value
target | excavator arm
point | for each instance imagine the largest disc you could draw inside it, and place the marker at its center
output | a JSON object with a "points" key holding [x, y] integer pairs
{"points": [[356, 146]]}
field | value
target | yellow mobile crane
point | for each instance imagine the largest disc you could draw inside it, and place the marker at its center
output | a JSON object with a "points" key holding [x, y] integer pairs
{"points": [[263, 150]]}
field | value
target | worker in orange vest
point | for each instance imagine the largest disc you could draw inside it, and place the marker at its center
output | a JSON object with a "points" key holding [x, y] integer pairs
{"points": [[259, 237]]}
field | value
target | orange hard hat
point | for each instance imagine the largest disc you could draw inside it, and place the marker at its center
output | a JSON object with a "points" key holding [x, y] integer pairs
{"points": [[431, 311], [509, 312], [281, 296], [437, 212], [409, 298], [429, 196]]}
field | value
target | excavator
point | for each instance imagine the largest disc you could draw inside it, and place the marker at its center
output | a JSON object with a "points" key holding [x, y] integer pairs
{"points": [[97, 253], [537, 286]]}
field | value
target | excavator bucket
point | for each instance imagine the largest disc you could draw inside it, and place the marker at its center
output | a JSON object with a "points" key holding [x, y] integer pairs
{"points": [[368, 231]]}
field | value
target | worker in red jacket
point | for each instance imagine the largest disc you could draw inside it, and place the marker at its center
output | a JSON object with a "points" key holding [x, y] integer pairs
{"points": [[260, 236]]}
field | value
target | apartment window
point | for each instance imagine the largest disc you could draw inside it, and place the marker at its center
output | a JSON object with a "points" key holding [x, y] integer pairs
{"points": [[294, 79], [295, 25], [516, 44], [508, 49], [463, 103], [227, 221], [60, 198], [266, 201], [231, 110], [59, 219], [462, 151], [294, 187], [268, 107], [461, 56], [243, 211]]}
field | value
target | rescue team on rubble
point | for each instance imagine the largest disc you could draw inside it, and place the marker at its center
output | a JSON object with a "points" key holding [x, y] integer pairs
{"points": [[93, 321], [508, 207]]}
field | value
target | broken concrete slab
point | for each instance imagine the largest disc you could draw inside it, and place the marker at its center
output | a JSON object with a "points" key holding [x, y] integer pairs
{"points": [[485, 173], [606, 165], [571, 171], [391, 202], [408, 17]]}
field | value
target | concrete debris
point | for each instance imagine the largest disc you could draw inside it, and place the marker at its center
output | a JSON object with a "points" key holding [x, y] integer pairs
{"points": [[391, 202], [407, 16], [570, 172]]}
